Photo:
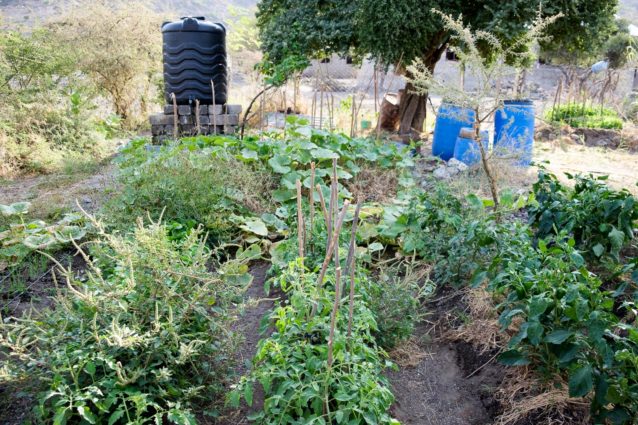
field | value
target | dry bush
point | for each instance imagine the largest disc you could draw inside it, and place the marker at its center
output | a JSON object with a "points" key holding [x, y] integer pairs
{"points": [[119, 47], [523, 396]]}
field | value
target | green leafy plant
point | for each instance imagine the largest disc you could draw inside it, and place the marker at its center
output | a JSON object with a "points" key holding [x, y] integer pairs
{"points": [[20, 237], [142, 337], [292, 364], [600, 219], [582, 116]]}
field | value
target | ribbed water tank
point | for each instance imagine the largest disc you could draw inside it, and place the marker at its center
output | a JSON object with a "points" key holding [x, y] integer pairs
{"points": [[194, 55]]}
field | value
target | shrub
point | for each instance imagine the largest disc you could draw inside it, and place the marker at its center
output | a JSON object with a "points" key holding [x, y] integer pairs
{"points": [[600, 219], [187, 186], [395, 301], [582, 116], [140, 338], [47, 111]]}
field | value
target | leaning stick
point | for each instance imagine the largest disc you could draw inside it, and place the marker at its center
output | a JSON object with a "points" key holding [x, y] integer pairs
{"points": [[300, 223], [333, 316], [333, 242], [322, 202], [334, 198], [350, 266]]}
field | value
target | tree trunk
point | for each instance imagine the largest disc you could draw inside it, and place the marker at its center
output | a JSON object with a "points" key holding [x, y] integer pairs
{"points": [[412, 106]]}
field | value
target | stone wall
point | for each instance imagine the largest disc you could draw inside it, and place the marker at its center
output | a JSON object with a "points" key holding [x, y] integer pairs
{"points": [[209, 119]]}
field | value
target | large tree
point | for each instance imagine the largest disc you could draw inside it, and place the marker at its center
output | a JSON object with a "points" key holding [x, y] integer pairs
{"points": [[396, 32]]}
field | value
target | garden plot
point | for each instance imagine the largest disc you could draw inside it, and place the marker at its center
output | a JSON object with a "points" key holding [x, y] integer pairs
{"points": [[272, 232]]}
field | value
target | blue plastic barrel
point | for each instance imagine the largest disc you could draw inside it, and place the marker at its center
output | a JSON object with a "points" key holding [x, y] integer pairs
{"points": [[466, 149], [514, 131], [449, 121]]}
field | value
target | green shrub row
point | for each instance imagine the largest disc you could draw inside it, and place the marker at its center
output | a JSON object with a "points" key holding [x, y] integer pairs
{"points": [[582, 116]]}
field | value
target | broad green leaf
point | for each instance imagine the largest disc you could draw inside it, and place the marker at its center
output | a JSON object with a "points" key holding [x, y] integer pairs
{"points": [[280, 164], [580, 381], [256, 226], [323, 153], [39, 241], [558, 336], [248, 394], [616, 237], [17, 208], [513, 358], [598, 249], [253, 252]]}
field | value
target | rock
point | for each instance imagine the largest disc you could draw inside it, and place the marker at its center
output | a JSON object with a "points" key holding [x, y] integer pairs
{"points": [[458, 165], [441, 173]]}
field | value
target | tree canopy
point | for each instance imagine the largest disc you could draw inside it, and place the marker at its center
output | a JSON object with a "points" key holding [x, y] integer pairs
{"points": [[397, 32]]}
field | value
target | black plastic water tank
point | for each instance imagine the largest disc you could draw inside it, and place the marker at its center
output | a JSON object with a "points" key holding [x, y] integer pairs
{"points": [[194, 54]]}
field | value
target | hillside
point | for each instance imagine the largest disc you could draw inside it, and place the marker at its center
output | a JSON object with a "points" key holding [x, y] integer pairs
{"points": [[33, 11]]}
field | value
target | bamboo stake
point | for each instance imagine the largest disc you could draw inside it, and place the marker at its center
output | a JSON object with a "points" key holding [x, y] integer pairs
{"points": [[311, 197], [350, 266], [352, 129], [214, 114], [300, 223], [333, 315], [175, 123]]}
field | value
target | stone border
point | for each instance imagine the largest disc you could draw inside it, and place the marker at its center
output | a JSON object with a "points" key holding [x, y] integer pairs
{"points": [[213, 119]]}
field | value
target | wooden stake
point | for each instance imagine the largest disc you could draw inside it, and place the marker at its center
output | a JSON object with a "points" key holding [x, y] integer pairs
{"points": [[214, 114], [333, 315], [322, 202], [350, 270], [300, 223], [199, 130], [333, 243], [175, 123], [311, 197]]}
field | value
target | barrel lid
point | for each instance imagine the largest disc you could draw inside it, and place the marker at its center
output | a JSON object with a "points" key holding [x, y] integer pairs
{"points": [[193, 24]]}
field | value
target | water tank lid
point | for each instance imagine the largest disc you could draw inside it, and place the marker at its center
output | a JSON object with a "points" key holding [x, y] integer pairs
{"points": [[193, 24]]}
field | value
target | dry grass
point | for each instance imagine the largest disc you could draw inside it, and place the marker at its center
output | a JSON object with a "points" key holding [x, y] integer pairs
{"points": [[408, 353], [482, 330], [375, 184], [523, 395]]}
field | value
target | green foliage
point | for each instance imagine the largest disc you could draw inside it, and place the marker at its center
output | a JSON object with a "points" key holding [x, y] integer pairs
{"points": [[47, 112], [141, 338], [19, 238], [402, 31], [600, 219], [394, 298], [291, 364], [568, 322], [582, 116], [621, 50], [187, 183], [579, 37]]}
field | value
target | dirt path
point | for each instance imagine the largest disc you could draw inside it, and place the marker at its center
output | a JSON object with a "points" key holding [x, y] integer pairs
{"points": [[434, 391], [258, 304], [52, 193]]}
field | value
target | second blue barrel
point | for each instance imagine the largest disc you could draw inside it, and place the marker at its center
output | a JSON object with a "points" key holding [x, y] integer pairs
{"points": [[449, 121], [514, 131]]}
